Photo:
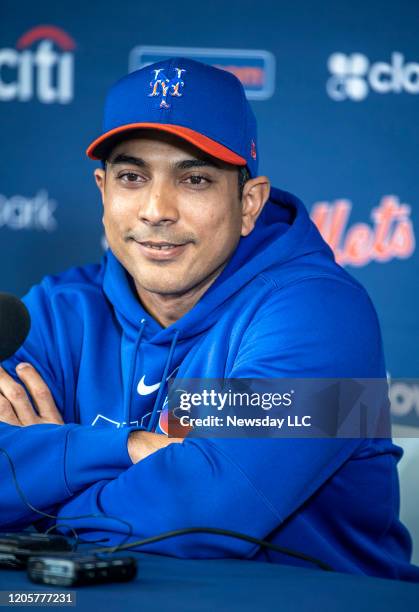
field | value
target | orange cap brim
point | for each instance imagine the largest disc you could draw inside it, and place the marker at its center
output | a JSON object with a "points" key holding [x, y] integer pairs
{"points": [[204, 143]]}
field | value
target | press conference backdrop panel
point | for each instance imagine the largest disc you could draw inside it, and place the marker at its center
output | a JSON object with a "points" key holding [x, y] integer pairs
{"points": [[335, 88]]}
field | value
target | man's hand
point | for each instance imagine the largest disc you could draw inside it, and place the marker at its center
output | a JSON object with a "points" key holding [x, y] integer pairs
{"points": [[141, 444], [15, 407]]}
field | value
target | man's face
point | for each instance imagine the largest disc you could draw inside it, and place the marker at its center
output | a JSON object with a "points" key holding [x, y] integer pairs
{"points": [[172, 216]]}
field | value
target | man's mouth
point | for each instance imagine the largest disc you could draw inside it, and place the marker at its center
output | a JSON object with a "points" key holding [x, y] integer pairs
{"points": [[160, 246], [160, 250]]}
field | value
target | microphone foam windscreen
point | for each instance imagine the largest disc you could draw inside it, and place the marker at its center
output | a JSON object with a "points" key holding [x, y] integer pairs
{"points": [[15, 323]]}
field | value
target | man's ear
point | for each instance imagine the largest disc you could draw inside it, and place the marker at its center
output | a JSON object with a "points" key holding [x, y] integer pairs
{"points": [[255, 195], [100, 177]]}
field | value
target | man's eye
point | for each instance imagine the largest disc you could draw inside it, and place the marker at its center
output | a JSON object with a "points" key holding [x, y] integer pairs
{"points": [[129, 177], [197, 179]]}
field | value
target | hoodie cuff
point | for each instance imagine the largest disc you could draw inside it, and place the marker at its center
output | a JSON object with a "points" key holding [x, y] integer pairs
{"points": [[94, 454]]}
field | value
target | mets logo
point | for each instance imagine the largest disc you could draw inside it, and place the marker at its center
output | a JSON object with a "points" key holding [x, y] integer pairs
{"points": [[163, 86]]}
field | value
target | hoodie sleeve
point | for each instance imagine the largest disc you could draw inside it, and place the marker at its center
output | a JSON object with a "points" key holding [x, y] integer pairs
{"points": [[314, 328], [51, 463], [43, 453]]}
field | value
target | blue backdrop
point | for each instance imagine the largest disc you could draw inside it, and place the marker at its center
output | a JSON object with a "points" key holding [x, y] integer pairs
{"points": [[334, 86]]}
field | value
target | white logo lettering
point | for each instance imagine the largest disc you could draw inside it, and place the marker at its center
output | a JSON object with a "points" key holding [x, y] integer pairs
{"points": [[404, 399], [44, 72], [100, 417], [20, 213], [353, 76]]}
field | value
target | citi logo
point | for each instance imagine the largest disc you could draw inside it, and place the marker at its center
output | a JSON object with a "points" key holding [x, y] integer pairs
{"points": [[35, 69], [353, 76]]}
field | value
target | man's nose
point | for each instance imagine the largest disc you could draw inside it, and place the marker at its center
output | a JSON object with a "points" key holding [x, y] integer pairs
{"points": [[158, 207]]}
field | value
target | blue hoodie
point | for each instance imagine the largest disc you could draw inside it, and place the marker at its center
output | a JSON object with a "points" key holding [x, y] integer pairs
{"points": [[281, 307]]}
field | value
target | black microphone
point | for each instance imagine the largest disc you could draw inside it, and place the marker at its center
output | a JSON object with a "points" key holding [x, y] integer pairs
{"points": [[15, 323]]}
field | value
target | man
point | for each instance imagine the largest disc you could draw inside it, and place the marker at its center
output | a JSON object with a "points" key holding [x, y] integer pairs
{"points": [[210, 274]]}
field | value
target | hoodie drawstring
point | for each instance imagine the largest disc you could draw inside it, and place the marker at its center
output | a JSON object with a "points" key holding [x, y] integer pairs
{"points": [[154, 415], [128, 395]]}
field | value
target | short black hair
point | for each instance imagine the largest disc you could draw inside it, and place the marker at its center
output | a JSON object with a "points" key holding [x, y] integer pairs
{"points": [[243, 175]]}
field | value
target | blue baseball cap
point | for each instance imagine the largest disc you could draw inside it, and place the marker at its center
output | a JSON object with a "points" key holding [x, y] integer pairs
{"points": [[202, 104]]}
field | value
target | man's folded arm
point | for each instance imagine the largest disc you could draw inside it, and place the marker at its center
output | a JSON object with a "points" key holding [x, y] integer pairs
{"points": [[52, 463], [247, 485], [207, 483]]}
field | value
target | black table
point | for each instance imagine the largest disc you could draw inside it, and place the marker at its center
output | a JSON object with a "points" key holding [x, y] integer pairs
{"points": [[165, 583]]}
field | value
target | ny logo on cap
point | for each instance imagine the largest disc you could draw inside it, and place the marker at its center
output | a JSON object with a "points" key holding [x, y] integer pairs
{"points": [[164, 86]]}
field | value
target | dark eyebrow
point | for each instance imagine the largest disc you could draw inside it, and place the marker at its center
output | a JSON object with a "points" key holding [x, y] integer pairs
{"points": [[129, 159], [185, 164]]}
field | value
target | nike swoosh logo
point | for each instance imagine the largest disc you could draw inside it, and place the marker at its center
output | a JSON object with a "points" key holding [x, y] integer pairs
{"points": [[144, 389]]}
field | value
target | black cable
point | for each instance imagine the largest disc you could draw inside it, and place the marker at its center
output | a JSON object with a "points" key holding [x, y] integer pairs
{"points": [[77, 538], [83, 541], [61, 518], [224, 532], [75, 534], [168, 534]]}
